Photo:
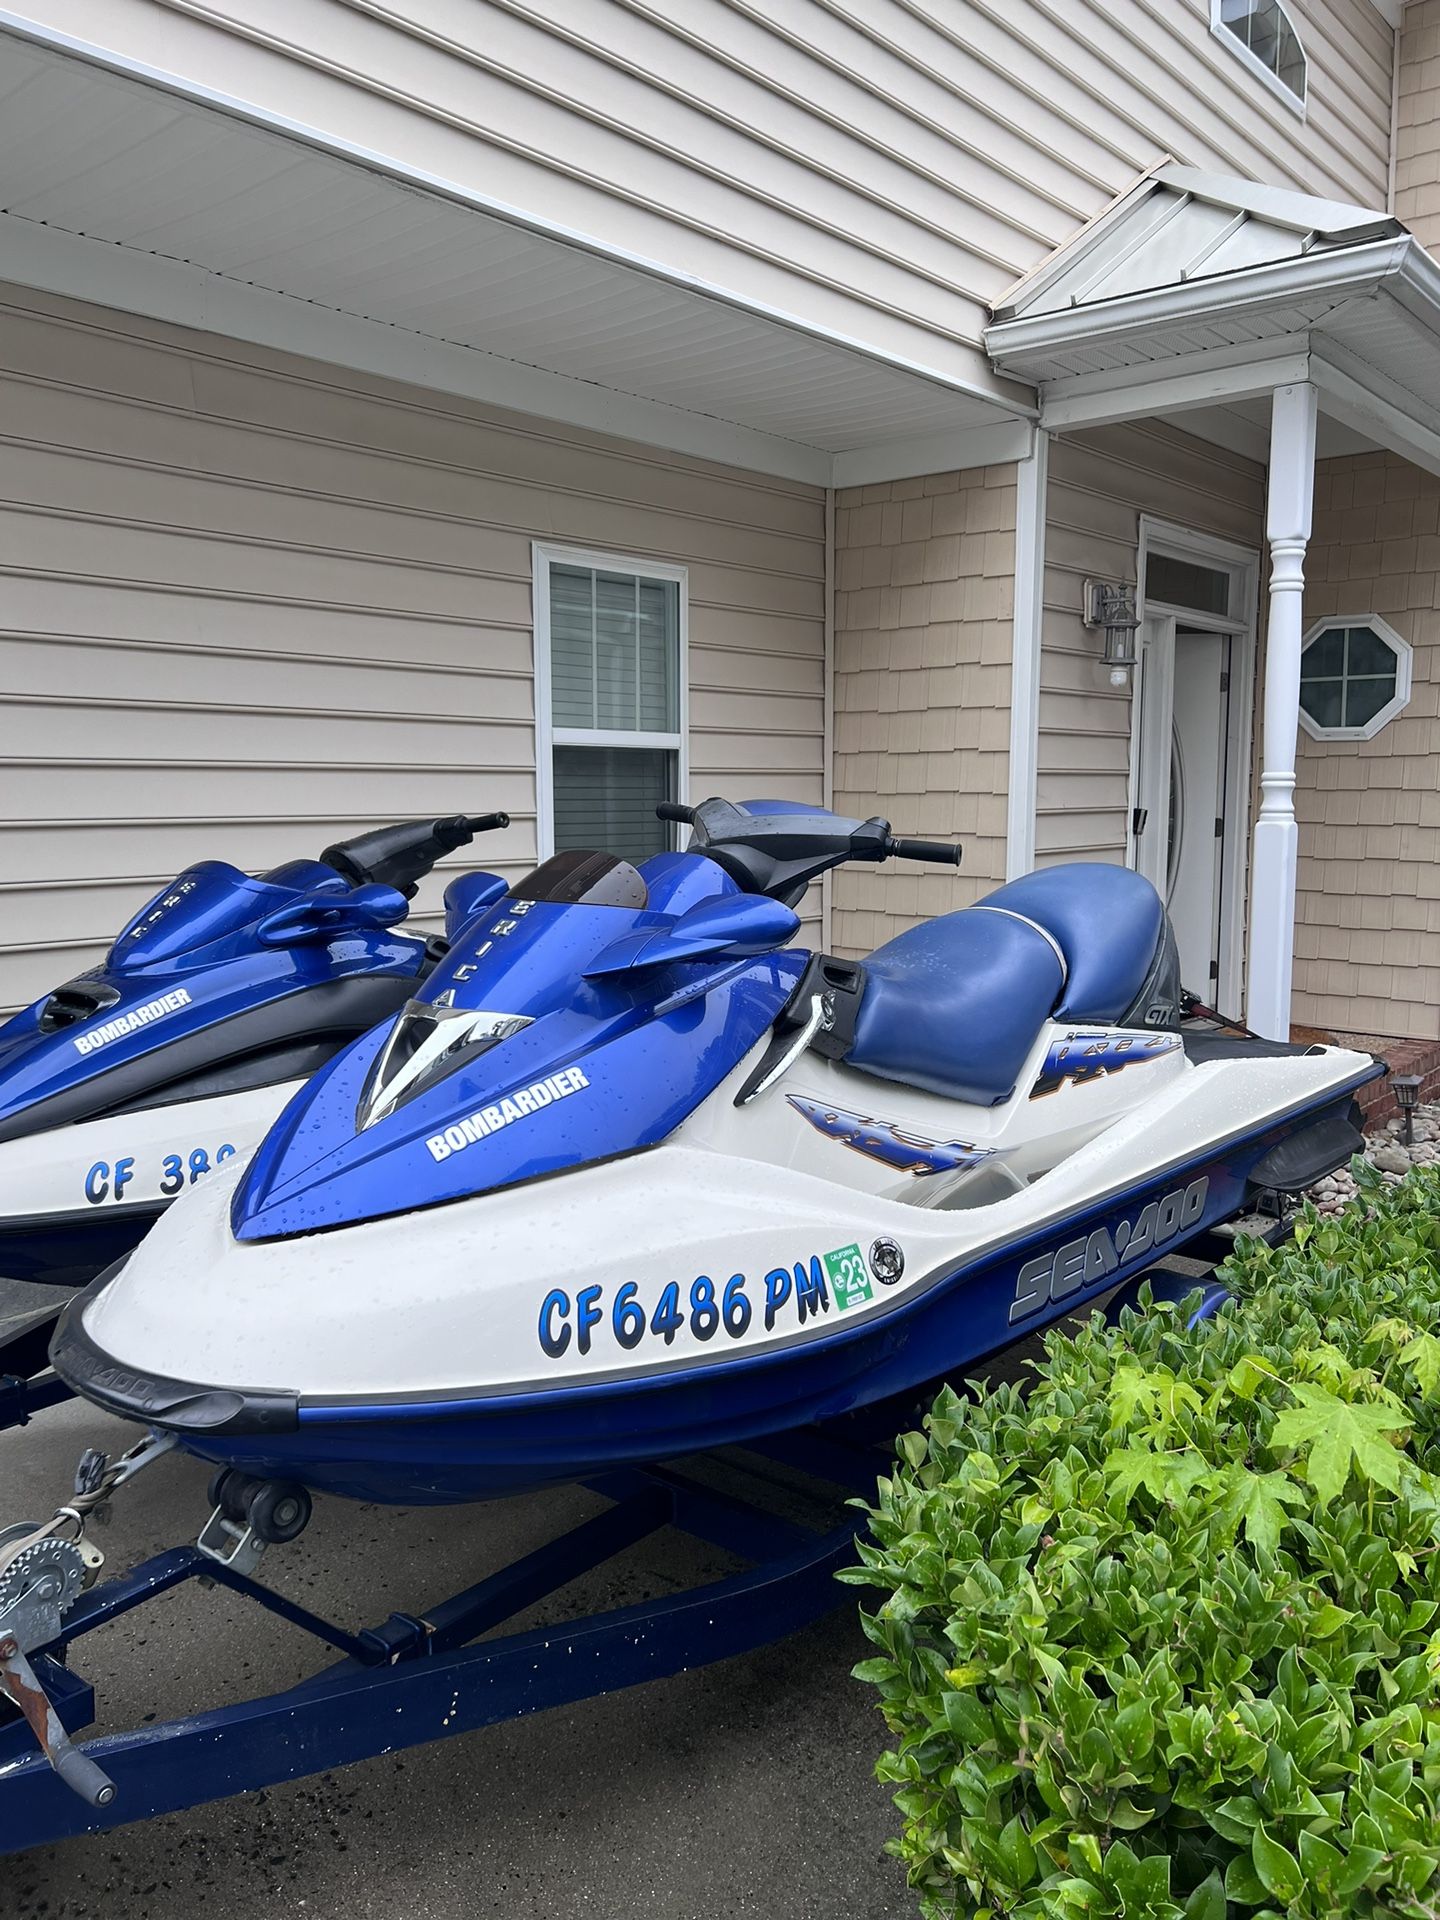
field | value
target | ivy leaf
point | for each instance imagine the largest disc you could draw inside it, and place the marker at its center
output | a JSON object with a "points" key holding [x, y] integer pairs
{"points": [[1422, 1356], [1168, 1476], [1130, 1393], [1258, 1502], [1340, 1434]]}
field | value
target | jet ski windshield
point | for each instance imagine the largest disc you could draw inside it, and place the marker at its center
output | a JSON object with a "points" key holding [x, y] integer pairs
{"points": [[582, 878], [427, 1042]]}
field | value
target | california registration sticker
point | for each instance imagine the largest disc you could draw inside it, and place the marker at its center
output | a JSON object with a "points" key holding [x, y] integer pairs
{"points": [[849, 1281]]}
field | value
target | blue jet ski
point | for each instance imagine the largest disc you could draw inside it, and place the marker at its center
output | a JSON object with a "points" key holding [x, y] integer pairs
{"points": [[132, 1083], [631, 1176]]}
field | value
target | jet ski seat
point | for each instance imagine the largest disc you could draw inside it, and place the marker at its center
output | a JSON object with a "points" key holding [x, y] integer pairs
{"points": [[954, 1006]]}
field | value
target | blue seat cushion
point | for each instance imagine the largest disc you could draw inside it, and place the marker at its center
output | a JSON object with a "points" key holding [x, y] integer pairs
{"points": [[1108, 923], [954, 1006]]}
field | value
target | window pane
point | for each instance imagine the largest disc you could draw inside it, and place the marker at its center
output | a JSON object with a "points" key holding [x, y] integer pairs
{"points": [[1321, 700], [1324, 658], [615, 650], [659, 647], [1369, 653], [1184, 583], [572, 648], [605, 797], [1364, 698], [1263, 28]]}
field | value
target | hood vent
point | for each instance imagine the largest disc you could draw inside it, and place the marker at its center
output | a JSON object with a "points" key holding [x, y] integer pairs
{"points": [[75, 1002]]}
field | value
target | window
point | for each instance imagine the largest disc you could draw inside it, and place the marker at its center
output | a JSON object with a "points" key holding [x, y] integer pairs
{"points": [[1354, 676], [1260, 32], [1187, 583], [610, 649]]}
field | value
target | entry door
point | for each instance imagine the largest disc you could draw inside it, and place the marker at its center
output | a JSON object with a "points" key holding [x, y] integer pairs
{"points": [[1180, 792]]}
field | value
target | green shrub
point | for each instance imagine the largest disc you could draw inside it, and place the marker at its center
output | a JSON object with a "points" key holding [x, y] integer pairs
{"points": [[1162, 1636]]}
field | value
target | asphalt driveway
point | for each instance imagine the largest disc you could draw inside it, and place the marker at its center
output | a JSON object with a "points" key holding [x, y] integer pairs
{"points": [[745, 1788]]}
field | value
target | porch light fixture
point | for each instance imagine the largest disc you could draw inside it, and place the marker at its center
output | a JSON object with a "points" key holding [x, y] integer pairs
{"points": [[1110, 606], [1406, 1088]]}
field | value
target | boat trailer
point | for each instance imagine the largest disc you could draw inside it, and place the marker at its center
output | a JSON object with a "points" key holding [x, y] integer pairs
{"points": [[414, 1678]]}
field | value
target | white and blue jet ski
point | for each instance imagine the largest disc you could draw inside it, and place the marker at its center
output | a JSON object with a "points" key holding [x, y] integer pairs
{"points": [[631, 1176], [126, 1086]]}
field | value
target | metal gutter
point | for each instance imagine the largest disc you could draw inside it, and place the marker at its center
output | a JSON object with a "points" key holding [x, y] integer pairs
{"points": [[1339, 273]]}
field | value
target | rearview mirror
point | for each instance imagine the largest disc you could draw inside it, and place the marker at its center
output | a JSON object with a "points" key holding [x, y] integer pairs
{"points": [[467, 895], [321, 916], [735, 927]]}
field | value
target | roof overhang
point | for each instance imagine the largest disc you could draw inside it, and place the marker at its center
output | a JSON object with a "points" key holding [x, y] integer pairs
{"points": [[1193, 291], [131, 187]]}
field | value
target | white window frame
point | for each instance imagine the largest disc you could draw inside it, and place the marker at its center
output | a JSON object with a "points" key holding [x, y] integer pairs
{"points": [[548, 736], [1235, 45], [1397, 702]]}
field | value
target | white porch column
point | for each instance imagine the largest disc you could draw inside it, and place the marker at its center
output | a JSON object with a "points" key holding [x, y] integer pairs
{"points": [[1273, 868]]}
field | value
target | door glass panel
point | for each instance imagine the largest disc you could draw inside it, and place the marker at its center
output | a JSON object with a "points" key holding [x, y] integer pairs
{"points": [[1186, 583], [1177, 812]]}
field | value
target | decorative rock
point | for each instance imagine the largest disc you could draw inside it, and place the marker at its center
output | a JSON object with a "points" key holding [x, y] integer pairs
{"points": [[1390, 1159], [1386, 1151]]}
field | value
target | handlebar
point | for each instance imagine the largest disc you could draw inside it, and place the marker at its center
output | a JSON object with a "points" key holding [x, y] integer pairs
{"points": [[933, 850], [401, 856], [778, 848]]}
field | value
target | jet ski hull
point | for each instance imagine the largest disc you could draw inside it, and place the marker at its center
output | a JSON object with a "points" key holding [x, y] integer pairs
{"points": [[80, 1196], [451, 1445]]}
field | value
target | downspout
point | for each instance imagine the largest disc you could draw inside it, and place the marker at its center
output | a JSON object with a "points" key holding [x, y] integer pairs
{"points": [[1031, 477], [1394, 124]]}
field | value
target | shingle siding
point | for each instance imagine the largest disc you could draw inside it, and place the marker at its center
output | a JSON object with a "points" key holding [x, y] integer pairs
{"points": [[924, 610], [1417, 127], [1367, 937]]}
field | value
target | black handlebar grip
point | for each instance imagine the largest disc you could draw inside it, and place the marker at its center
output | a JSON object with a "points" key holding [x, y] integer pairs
{"points": [[672, 810], [934, 850]]}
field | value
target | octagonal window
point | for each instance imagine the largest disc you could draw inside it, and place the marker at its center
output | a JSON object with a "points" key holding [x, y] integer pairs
{"points": [[1354, 676]]}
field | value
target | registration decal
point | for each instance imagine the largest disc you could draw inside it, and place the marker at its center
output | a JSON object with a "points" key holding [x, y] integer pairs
{"points": [[618, 1320]]}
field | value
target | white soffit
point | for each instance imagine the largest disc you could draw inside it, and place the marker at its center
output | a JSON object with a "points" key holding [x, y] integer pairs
{"points": [[127, 191]]}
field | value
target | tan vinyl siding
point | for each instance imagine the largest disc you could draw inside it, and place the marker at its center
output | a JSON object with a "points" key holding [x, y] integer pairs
{"points": [[885, 171], [924, 611], [252, 603], [1101, 482], [1417, 124], [1367, 935]]}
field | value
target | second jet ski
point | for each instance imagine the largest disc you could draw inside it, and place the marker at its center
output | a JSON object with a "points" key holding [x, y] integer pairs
{"points": [[125, 1087]]}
